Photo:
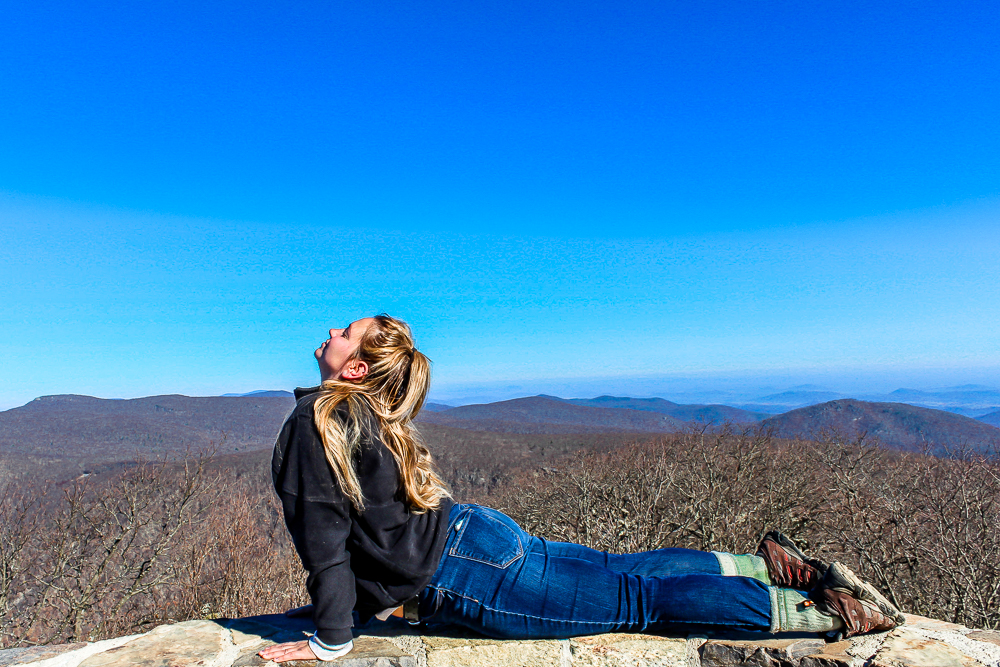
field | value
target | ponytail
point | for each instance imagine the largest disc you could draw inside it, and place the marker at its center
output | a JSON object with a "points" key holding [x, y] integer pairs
{"points": [[393, 390]]}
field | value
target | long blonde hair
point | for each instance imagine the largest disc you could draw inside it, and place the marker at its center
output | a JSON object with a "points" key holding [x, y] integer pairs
{"points": [[393, 390]]}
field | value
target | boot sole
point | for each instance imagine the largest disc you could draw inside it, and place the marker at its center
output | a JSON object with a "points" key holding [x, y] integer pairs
{"points": [[842, 577], [782, 541]]}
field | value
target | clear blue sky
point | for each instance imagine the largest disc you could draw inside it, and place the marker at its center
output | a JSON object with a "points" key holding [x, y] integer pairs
{"points": [[190, 194]]}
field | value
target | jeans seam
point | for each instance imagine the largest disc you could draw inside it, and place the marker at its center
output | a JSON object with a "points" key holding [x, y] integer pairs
{"points": [[458, 542], [546, 618], [452, 554]]}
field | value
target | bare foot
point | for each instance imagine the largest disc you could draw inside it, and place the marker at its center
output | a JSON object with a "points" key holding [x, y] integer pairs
{"points": [[288, 651]]}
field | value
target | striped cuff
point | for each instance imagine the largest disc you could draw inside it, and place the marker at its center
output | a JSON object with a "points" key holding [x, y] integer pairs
{"points": [[327, 652], [779, 621], [727, 564], [742, 565]]}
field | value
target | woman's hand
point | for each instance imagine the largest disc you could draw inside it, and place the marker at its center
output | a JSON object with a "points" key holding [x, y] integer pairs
{"points": [[288, 651]]}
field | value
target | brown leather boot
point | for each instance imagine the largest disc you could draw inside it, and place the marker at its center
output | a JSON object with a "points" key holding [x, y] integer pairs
{"points": [[787, 566], [856, 602]]}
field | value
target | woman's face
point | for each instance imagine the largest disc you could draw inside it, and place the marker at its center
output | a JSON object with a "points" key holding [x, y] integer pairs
{"points": [[335, 354]]}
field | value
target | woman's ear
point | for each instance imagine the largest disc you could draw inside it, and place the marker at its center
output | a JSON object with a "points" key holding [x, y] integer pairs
{"points": [[356, 370]]}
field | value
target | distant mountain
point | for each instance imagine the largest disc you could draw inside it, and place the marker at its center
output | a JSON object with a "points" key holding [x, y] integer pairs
{"points": [[539, 414], [715, 414], [799, 397], [975, 413], [437, 407], [967, 400], [96, 430], [992, 418], [964, 394], [970, 400], [896, 425], [273, 393]]}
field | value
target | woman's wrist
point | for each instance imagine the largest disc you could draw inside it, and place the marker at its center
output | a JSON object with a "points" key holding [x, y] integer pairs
{"points": [[328, 652]]}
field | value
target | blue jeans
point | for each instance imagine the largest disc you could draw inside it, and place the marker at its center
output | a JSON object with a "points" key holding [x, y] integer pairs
{"points": [[497, 580]]}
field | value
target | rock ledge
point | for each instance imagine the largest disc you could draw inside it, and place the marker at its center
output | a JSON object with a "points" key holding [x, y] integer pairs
{"points": [[923, 642]]}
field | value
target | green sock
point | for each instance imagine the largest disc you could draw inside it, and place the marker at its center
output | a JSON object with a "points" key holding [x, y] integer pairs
{"points": [[742, 565], [789, 613]]}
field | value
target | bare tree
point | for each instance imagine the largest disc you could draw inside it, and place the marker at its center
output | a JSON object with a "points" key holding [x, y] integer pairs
{"points": [[102, 548]]}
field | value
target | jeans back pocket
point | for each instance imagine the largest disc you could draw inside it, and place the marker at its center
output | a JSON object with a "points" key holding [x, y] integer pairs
{"points": [[486, 539]]}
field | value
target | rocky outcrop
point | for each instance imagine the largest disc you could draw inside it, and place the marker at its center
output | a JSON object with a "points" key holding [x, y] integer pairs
{"points": [[922, 642]]}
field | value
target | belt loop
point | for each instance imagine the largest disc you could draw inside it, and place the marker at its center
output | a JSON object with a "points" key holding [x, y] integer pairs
{"points": [[411, 610]]}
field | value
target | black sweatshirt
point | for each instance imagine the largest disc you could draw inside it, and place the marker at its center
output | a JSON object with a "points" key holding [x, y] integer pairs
{"points": [[370, 561]]}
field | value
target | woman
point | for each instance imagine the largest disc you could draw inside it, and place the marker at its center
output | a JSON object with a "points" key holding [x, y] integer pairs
{"points": [[380, 535]]}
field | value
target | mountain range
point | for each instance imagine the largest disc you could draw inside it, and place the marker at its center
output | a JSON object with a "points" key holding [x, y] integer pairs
{"points": [[86, 432], [897, 425], [969, 400], [992, 418], [77, 433], [696, 413], [545, 414]]}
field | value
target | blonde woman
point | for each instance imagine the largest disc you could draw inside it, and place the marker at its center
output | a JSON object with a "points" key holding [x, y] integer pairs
{"points": [[380, 535]]}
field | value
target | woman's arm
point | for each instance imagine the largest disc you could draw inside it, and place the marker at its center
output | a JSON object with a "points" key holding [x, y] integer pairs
{"points": [[318, 517]]}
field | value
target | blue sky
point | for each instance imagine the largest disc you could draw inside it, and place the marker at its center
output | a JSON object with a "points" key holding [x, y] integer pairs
{"points": [[558, 196]]}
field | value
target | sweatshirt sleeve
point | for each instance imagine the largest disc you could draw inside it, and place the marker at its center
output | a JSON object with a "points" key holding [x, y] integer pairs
{"points": [[322, 545], [318, 516]]}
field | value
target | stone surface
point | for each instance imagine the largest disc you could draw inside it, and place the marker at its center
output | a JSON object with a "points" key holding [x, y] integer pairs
{"points": [[189, 644], [22, 656], [234, 643], [759, 653], [833, 655], [276, 627], [986, 653], [906, 647], [457, 652], [374, 652], [628, 650], [694, 644], [73, 658], [923, 623], [249, 659], [249, 631], [991, 636], [866, 646]]}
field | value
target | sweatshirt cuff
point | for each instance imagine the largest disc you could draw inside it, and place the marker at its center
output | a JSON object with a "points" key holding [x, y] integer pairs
{"points": [[334, 636], [324, 651]]}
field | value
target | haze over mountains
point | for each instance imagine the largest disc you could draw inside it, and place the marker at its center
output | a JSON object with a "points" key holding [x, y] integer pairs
{"points": [[696, 412], [896, 425], [969, 400], [545, 414], [78, 433], [992, 418], [84, 433]]}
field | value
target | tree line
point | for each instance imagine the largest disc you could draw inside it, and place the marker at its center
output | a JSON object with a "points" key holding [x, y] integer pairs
{"points": [[171, 541]]}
